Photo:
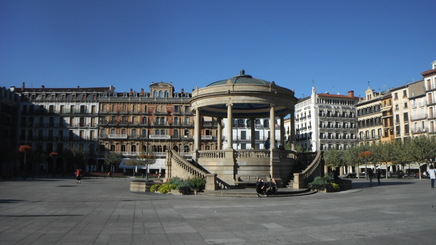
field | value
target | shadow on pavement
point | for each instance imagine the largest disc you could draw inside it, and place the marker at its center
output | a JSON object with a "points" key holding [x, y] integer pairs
{"points": [[363, 184]]}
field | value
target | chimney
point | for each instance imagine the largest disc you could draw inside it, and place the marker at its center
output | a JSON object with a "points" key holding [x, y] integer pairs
{"points": [[142, 91], [42, 86], [131, 91], [23, 86], [351, 94]]}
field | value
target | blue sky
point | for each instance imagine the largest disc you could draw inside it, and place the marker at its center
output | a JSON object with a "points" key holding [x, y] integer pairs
{"points": [[336, 46]]}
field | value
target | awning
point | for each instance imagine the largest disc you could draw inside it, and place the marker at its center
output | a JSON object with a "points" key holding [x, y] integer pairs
{"points": [[159, 164]]}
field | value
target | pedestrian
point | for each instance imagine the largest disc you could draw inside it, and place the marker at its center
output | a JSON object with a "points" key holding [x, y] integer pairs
{"points": [[260, 187], [371, 175], [378, 172], [266, 144], [78, 179], [272, 187], [432, 175]]}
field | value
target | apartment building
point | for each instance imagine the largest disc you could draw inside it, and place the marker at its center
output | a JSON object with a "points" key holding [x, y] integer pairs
{"points": [[133, 122], [401, 112], [369, 114], [54, 119], [326, 121], [429, 78], [9, 103], [418, 109], [241, 133]]}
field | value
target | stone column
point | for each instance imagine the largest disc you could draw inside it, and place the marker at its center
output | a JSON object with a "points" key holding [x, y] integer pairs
{"points": [[229, 126], [282, 131], [197, 133], [253, 134], [219, 133], [292, 129], [272, 128]]}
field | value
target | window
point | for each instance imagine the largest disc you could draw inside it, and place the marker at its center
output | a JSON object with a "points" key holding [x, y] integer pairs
{"points": [[266, 123], [243, 135]]}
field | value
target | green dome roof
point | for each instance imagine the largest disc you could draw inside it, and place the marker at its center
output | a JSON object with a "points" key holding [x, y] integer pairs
{"points": [[242, 78]]}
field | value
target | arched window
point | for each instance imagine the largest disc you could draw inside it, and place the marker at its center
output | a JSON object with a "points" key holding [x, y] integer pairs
{"points": [[123, 148], [133, 148], [161, 94], [266, 123]]}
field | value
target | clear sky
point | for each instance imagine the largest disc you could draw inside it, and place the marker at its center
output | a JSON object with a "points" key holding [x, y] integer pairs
{"points": [[334, 45]]}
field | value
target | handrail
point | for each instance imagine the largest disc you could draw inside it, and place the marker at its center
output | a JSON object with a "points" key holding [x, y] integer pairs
{"points": [[188, 169], [187, 166], [302, 179]]}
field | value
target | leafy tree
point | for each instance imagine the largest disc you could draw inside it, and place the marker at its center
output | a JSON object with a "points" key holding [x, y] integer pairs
{"points": [[351, 157], [401, 153], [334, 158], [75, 156], [384, 153], [421, 150], [112, 158]]}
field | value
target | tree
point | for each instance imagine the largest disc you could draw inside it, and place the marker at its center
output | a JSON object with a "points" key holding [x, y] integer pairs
{"points": [[401, 153], [365, 155], [76, 157], [421, 150], [334, 158], [384, 153], [112, 158], [147, 159], [351, 157]]}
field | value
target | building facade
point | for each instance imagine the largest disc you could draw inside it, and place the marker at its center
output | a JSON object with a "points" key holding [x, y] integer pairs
{"points": [[326, 121], [56, 119], [132, 123], [9, 103], [429, 78]]}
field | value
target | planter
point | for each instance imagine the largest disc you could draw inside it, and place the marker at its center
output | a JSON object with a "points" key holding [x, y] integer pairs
{"points": [[140, 185]]}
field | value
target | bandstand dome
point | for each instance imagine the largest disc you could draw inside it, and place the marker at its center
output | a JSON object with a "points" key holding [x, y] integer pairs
{"points": [[249, 97]]}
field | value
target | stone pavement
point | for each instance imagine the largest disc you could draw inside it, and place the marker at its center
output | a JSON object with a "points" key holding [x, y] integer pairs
{"points": [[103, 211]]}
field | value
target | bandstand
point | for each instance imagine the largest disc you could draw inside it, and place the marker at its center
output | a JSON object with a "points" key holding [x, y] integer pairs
{"points": [[241, 96]]}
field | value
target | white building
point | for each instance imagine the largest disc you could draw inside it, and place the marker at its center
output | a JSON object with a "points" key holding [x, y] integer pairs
{"points": [[326, 121]]}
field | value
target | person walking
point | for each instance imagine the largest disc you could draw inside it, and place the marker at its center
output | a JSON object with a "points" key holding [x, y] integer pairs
{"points": [[371, 175], [432, 174], [378, 173], [78, 179]]}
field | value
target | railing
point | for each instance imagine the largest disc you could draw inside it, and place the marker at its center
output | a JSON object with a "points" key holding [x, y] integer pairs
{"points": [[211, 154], [160, 137], [253, 153], [117, 136], [187, 169], [315, 168]]}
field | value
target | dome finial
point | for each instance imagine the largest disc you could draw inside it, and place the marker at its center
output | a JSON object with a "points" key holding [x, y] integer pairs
{"points": [[242, 73]]}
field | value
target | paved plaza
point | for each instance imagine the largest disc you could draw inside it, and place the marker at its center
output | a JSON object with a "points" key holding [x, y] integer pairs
{"points": [[103, 211]]}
